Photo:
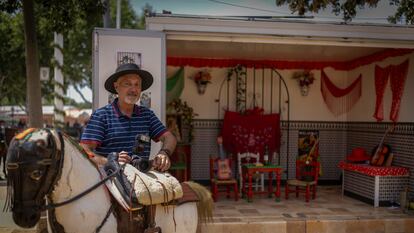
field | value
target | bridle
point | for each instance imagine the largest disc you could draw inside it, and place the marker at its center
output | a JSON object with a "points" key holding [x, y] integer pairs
{"points": [[51, 167]]}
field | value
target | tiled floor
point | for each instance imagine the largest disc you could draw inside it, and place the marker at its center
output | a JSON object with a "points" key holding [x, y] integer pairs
{"points": [[329, 212]]}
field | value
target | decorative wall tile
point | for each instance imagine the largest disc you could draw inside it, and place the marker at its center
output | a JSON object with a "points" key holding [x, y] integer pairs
{"points": [[337, 139]]}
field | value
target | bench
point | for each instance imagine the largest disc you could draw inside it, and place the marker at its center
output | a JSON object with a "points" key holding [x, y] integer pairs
{"points": [[380, 186]]}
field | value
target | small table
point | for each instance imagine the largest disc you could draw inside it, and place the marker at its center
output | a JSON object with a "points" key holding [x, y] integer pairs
{"points": [[249, 169]]}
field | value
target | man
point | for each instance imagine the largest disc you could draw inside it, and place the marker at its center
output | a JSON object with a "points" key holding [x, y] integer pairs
{"points": [[113, 128]]}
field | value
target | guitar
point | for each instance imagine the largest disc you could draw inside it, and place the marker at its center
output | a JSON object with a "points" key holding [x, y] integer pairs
{"points": [[223, 163], [382, 151]]}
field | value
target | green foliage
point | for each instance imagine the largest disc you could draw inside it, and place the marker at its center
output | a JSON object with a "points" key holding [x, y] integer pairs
{"points": [[12, 59], [76, 20], [179, 108], [404, 14]]}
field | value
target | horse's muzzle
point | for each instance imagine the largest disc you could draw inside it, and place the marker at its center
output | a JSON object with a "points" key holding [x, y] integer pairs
{"points": [[26, 219]]}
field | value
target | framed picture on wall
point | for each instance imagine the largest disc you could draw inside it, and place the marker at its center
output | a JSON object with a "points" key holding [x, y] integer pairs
{"points": [[307, 139], [129, 57]]}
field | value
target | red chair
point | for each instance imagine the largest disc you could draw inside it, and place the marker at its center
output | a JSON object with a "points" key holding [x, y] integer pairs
{"points": [[306, 179], [230, 183]]}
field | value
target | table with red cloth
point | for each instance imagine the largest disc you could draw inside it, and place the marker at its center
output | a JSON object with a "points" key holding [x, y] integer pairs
{"points": [[373, 184], [374, 170]]}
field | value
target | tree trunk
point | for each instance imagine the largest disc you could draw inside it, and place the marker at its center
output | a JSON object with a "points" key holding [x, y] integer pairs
{"points": [[33, 98]]}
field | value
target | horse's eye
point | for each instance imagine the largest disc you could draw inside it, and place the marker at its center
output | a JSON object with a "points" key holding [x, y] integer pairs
{"points": [[36, 175]]}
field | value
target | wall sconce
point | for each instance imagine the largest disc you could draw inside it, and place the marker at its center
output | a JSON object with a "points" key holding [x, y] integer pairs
{"points": [[305, 79], [202, 78]]}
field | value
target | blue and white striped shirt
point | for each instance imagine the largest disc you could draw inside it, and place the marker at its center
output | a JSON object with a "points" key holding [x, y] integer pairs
{"points": [[113, 131]]}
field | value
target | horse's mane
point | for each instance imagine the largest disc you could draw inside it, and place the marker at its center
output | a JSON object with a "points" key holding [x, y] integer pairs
{"points": [[76, 144]]}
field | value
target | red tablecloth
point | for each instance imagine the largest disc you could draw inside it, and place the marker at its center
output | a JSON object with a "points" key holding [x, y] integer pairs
{"points": [[373, 170]]}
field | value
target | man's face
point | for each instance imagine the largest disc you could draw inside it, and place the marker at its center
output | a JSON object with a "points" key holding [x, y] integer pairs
{"points": [[129, 88]]}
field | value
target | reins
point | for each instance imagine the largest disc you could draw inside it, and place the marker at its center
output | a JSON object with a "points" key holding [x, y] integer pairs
{"points": [[55, 205]]}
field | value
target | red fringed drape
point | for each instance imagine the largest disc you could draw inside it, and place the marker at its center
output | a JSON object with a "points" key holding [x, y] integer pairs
{"points": [[398, 75], [381, 79], [337, 99], [250, 133]]}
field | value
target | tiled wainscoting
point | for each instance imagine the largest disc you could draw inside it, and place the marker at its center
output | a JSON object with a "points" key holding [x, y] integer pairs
{"points": [[336, 141], [401, 140]]}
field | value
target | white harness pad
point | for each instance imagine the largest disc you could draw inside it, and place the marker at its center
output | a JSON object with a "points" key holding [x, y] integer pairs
{"points": [[151, 188]]}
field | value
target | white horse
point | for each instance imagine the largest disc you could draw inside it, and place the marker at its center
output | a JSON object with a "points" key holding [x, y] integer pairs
{"points": [[44, 164]]}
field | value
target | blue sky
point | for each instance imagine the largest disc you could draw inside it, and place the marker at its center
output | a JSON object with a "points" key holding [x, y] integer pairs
{"points": [[255, 8], [244, 8]]}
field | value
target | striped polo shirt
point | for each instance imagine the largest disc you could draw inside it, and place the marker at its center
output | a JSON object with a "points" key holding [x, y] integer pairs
{"points": [[112, 131]]}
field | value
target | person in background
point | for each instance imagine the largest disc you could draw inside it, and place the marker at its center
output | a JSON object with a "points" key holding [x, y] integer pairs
{"points": [[21, 125], [114, 127]]}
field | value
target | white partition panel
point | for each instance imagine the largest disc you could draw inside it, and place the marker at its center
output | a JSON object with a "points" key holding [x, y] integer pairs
{"points": [[145, 48]]}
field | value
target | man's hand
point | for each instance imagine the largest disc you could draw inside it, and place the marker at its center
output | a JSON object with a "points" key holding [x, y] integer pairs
{"points": [[124, 157], [161, 162]]}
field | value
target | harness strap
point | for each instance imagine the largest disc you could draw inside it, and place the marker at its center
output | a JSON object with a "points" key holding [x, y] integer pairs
{"points": [[93, 187], [151, 220], [53, 223], [111, 208]]}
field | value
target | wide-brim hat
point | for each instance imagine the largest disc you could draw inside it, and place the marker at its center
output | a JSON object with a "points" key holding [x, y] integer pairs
{"points": [[358, 155], [129, 68]]}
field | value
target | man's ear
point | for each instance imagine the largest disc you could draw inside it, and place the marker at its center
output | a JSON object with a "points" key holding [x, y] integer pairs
{"points": [[116, 86]]}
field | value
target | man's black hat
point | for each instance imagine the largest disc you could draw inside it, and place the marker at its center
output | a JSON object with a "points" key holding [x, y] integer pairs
{"points": [[129, 68]]}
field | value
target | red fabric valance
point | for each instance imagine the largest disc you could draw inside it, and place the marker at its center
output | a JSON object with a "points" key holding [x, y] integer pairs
{"points": [[308, 65]]}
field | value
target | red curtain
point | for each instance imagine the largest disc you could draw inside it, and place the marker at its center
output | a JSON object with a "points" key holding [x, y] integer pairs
{"points": [[381, 79], [250, 133], [397, 75]]}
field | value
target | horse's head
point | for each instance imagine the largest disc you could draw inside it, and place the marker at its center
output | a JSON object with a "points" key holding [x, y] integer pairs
{"points": [[33, 164]]}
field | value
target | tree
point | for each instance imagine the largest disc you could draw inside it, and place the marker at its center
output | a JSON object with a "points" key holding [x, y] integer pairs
{"points": [[62, 15], [77, 51], [78, 46], [404, 13]]}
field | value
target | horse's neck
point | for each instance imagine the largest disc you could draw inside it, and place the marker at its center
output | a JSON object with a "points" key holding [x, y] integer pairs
{"points": [[78, 174]]}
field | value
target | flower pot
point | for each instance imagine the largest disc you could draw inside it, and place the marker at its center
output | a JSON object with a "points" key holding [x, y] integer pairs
{"points": [[201, 86], [304, 90]]}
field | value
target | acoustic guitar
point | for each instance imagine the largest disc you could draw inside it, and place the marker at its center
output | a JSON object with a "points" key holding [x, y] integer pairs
{"points": [[382, 151], [223, 163]]}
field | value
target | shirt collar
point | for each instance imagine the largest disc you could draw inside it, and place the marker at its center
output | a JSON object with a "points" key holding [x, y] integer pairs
{"points": [[117, 111]]}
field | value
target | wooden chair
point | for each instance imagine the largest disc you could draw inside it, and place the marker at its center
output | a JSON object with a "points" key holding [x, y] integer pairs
{"points": [[254, 158], [306, 179], [215, 182]]}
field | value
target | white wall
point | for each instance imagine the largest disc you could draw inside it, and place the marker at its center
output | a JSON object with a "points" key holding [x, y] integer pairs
{"points": [[303, 108]]}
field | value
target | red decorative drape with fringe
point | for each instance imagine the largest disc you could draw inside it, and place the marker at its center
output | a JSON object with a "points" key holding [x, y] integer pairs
{"points": [[397, 75], [340, 100]]}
